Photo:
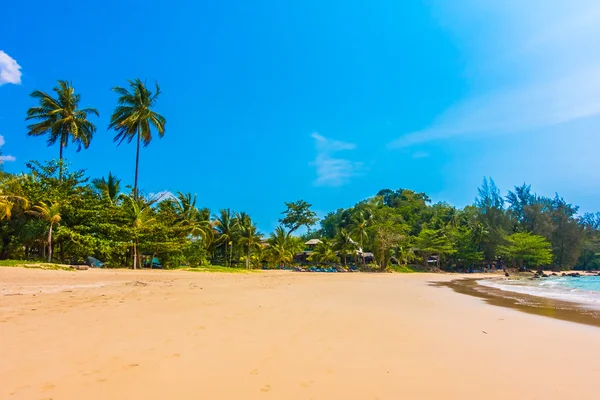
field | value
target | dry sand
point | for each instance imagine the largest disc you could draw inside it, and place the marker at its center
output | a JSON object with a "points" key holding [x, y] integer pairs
{"points": [[277, 335]]}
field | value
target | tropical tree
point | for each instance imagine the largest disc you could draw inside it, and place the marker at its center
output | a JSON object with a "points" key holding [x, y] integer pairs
{"points": [[431, 241], [282, 248], [523, 248], [360, 225], [226, 224], [134, 117], [139, 215], [345, 245], [250, 237], [108, 188], [298, 214], [8, 197], [188, 217], [61, 119], [324, 253], [49, 212]]}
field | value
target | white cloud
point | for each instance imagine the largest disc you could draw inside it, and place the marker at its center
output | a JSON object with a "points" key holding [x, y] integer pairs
{"points": [[332, 171], [9, 70], [6, 158], [531, 65]]}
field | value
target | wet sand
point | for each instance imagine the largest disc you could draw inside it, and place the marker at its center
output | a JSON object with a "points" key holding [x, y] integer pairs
{"points": [[280, 335]]}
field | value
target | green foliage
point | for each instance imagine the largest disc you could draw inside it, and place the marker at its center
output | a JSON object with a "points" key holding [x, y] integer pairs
{"points": [[298, 214], [49, 212], [526, 249], [134, 117], [282, 247]]}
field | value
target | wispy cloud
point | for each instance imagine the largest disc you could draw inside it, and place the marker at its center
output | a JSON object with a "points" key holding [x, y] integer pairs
{"points": [[333, 171], [9, 70], [6, 158], [542, 53]]}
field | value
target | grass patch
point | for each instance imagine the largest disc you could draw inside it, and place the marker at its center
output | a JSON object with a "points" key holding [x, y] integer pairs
{"points": [[37, 265], [403, 269], [217, 268]]}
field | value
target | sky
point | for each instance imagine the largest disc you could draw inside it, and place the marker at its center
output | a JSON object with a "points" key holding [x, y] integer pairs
{"points": [[326, 101]]}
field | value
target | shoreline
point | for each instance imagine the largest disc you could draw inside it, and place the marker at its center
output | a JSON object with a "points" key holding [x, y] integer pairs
{"points": [[277, 334], [536, 305]]}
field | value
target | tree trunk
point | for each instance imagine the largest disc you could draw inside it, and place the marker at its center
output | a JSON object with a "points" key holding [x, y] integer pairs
{"points": [[226, 246], [135, 254], [60, 161], [362, 249], [248, 258], [50, 244], [137, 165]]}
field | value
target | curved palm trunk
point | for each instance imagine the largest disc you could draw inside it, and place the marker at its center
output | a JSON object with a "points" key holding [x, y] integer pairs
{"points": [[248, 258], [137, 165], [50, 244]]}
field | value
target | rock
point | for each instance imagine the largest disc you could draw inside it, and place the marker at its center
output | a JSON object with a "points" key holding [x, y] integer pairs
{"points": [[545, 276], [554, 274], [506, 274], [563, 274]]}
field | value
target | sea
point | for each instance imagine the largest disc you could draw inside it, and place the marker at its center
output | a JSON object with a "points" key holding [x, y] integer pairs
{"points": [[584, 290]]}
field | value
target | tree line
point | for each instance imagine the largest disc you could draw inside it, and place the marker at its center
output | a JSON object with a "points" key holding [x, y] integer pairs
{"points": [[50, 212]]}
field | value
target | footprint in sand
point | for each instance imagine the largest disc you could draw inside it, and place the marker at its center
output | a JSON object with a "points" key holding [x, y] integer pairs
{"points": [[265, 388]]}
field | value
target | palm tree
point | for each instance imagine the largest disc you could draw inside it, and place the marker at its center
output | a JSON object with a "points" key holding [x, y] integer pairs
{"points": [[60, 118], [108, 188], [360, 226], [49, 212], [226, 224], [344, 244], [8, 198], [250, 238], [140, 216], [134, 117], [189, 217], [324, 253], [282, 247]]}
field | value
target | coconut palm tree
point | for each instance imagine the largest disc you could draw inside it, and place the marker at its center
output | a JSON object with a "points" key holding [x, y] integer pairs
{"points": [[108, 188], [134, 118], [360, 225], [61, 119], [282, 247], [49, 212], [227, 225], [189, 217], [344, 244], [140, 217], [250, 238], [9, 197], [324, 253]]}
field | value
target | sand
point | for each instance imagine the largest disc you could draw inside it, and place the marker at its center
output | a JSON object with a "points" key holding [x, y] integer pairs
{"points": [[278, 335]]}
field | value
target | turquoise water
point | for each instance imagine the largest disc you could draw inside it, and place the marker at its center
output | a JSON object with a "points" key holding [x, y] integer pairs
{"points": [[583, 290]]}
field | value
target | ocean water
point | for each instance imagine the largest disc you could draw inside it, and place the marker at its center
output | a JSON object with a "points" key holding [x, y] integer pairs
{"points": [[584, 290]]}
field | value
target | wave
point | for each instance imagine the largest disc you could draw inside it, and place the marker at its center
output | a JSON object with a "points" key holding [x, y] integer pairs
{"points": [[584, 290]]}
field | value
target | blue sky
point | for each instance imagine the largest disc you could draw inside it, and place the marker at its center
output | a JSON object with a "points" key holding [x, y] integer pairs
{"points": [[328, 101]]}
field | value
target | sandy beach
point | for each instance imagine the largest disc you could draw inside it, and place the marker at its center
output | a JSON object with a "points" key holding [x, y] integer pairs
{"points": [[278, 335]]}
